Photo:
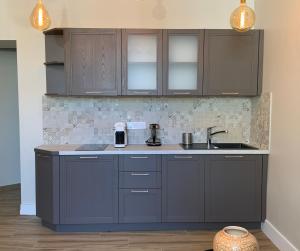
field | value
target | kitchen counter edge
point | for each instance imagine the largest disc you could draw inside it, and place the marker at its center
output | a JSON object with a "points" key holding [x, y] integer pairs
{"points": [[42, 150]]}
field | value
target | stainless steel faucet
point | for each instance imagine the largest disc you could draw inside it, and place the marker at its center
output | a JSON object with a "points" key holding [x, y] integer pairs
{"points": [[210, 134]]}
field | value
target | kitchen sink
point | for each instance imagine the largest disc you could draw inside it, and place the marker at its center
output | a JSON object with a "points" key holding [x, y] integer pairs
{"points": [[218, 146], [234, 146]]}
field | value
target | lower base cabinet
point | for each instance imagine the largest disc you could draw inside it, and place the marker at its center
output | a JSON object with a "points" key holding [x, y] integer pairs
{"points": [[170, 192], [139, 205], [183, 188], [233, 188], [89, 189]]}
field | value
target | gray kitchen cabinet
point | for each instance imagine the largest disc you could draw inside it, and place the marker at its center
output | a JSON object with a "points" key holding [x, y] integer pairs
{"points": [[183, 188], [89, 189], [139, 205], [233, 188], [94, 62], [141, 62], [232, 63], [153, 62], [147, 192], [140, 180], [183, 62], [140, 163], [140, 189], [47, 187]]}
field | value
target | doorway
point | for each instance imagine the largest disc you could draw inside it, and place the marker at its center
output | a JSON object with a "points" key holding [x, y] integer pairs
{"points": [[9, 119]]}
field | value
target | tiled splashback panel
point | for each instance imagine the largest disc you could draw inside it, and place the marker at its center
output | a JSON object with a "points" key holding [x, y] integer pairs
{"points": [[90, 120], [260, 121]]}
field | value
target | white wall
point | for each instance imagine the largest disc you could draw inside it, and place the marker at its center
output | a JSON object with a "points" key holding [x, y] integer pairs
{"points": [[9, 119], [14, 24], [281, 21]]}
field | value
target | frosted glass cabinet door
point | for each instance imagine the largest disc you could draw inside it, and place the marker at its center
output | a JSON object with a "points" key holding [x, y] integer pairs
{"points": [[142, 62], [183, 62]]}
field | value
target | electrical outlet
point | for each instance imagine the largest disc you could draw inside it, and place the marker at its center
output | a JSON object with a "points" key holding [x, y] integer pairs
{"points": [[136, 125]]}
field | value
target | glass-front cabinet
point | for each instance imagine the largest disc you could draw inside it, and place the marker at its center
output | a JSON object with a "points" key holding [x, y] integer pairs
{"points": [[183, 62], [142, 62]]}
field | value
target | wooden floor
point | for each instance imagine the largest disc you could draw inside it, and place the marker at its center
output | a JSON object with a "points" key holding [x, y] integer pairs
{"points": [[26, 233]]}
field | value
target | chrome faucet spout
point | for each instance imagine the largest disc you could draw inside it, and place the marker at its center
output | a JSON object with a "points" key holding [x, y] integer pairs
{"points": [[210, 134]]}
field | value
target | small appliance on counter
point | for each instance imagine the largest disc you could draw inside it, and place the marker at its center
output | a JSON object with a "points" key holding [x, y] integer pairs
{"points": [[120, 129], [153, 140]]}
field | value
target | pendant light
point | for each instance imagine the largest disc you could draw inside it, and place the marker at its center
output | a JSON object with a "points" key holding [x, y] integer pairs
{"points": [[243, 18], [40, 18]]}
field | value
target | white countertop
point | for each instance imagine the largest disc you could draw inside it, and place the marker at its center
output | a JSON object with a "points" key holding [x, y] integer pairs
{"points": [[141, 149]]}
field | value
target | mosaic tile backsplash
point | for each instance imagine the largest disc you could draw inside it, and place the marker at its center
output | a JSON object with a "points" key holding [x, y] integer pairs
{"points": [[69, 120]]}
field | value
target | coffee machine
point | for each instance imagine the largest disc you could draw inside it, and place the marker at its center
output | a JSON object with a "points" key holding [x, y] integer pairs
{"points": [[153, 140], [120, 129]]}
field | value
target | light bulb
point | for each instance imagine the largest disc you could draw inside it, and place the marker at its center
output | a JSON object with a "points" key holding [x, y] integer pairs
{"points": [[40, 18], [243, 18]]}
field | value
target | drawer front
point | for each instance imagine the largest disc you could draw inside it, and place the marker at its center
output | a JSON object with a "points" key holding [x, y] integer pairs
{"points": [[139, 205], [139, 179], [140, 163]]}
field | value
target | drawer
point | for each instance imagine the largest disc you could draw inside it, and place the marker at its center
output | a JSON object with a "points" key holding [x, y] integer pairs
{"points": [[139, 179], [140, 163], [139, 205]]}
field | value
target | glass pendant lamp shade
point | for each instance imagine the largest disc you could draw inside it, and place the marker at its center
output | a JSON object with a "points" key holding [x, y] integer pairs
{"points": [[40, 18], [243, 18]]}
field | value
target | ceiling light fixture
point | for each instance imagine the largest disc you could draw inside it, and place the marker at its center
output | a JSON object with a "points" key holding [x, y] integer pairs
{"points": [[242, 18], [40, 18]]}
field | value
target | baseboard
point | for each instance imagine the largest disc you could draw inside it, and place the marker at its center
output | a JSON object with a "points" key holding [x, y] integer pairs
{"points": [[279, 240], [27, 209]]}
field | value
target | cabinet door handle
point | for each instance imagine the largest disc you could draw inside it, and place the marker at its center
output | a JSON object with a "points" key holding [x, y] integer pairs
{"points": [[94, 92], [183, 157], [234, 157], [182, 93], [137, 92], [89, 157], [143, 157], [140, 174], [230, 93], [140, 191]]}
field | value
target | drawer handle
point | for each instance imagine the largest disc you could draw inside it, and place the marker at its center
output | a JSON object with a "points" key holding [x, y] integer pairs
{"points": [[137, 92], [182, 93], [140, 157], [230, 93], [94, 92], [140, 174], [183, 157], [234, 157], [140, 191], [89, 157]]}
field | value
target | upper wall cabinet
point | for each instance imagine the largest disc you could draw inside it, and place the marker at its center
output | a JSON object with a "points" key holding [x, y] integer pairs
{"points": [[150, 62], [232, 63], [83, 62], [94, 62], [141, 62], [183, 62]]}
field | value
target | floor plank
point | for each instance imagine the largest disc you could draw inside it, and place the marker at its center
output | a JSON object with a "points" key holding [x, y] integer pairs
{"points": [[26, 233]]}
